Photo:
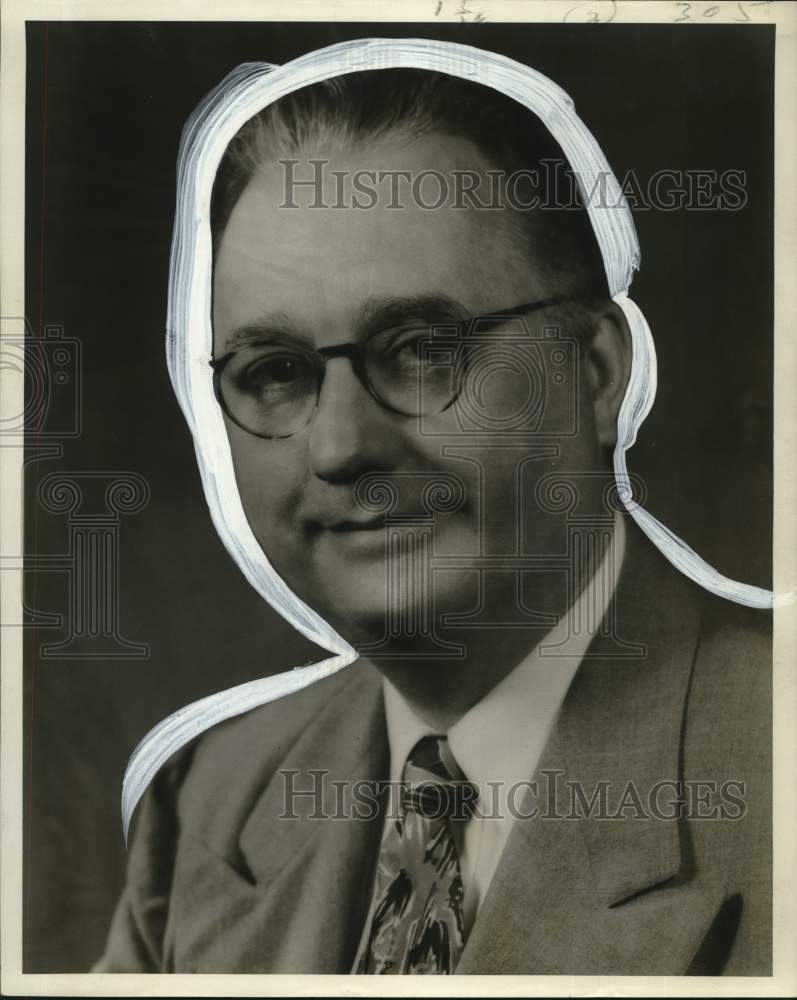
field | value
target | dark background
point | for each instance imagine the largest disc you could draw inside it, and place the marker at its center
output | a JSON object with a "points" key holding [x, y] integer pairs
{"points": [[105, 105]]}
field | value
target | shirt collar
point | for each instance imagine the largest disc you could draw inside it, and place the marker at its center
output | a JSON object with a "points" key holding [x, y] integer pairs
{"points": [[501, 737]]}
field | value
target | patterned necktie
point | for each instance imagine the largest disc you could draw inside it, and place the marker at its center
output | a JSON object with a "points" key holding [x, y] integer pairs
{"points": [[415, 924]]}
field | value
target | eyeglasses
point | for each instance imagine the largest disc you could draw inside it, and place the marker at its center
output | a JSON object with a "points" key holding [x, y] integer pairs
{"points": [[271, 389]]}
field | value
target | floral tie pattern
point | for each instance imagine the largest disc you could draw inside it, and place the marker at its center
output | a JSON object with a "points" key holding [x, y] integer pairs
{"points": [[415, 925]]}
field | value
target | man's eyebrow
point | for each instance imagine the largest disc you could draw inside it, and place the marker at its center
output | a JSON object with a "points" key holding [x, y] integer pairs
{"points": [[380, 313], [278, 325], [374, 315]]}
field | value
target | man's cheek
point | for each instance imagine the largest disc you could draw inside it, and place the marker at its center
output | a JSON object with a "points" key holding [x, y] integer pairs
{"points": [[268, 500], [268, 513]]}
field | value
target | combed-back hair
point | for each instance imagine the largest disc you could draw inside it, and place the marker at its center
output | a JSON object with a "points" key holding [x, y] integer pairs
{"points": [[409, 104]]}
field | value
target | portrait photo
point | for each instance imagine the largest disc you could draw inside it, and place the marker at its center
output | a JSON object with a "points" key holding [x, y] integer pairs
{"points": [[397, 470]]}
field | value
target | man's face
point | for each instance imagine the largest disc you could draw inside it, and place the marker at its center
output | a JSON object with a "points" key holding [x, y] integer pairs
{"points": [[323, 276]]}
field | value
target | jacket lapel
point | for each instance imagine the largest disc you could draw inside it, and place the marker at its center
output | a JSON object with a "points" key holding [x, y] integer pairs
{"points": [[314, 873], [607, 891], [297, 899]]}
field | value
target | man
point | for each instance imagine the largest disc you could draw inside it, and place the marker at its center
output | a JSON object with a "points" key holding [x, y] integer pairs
{"points": [[553, 753]]}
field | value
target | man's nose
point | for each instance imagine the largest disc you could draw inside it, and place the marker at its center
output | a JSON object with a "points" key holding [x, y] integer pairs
{"points": [[350, 432]]}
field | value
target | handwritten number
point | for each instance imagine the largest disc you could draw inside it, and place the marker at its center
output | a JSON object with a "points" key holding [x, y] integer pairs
{"points": [[686, 8], [592, 15]]}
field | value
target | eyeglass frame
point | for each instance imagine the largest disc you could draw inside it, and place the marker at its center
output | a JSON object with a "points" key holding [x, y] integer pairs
{"points": [[355, 352]]}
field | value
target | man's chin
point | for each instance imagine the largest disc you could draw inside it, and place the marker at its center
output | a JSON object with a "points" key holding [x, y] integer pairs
{"points": [[359, 615], [371, 602], [361, 611]]}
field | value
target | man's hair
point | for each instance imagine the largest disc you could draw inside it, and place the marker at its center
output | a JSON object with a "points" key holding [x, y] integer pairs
{"points": [[408, 104]]}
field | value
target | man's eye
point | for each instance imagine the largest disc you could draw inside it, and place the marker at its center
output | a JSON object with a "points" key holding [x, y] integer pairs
{"points": [[274, 372], [407, 348]]}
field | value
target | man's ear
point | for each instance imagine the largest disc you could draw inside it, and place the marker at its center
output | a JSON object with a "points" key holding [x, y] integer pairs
{"points": [[608, 364]]}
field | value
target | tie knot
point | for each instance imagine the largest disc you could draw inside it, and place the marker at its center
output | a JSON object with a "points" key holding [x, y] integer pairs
{"points": [[436, 788]]}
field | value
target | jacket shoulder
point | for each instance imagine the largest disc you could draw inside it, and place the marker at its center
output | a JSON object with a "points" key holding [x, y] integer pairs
{"points": [[735, 652], [728, 752], [730, 702], [232, 762]]}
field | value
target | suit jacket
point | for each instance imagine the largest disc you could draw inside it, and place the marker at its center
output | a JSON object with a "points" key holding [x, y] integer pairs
{"points": [[218, 882]]}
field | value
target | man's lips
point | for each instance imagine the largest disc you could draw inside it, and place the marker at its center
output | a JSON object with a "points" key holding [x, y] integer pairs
{"points": [[343, 522], [350, 524]]}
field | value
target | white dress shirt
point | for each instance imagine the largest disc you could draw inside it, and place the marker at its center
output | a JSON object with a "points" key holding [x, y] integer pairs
{"points": [[501, 738]]}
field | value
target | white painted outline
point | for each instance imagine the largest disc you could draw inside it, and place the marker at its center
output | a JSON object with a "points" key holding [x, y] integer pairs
{"points": [[242, 94]]}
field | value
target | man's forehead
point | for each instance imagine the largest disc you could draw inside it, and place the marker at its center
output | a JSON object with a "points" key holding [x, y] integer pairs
{"points": [[302, 255]]}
